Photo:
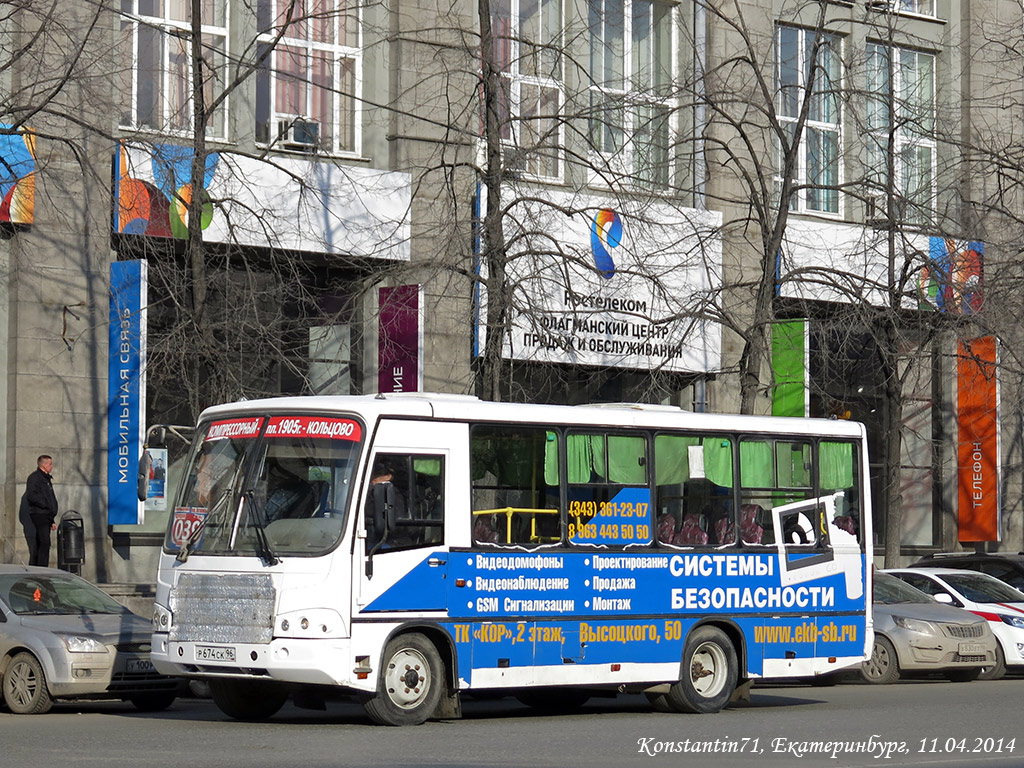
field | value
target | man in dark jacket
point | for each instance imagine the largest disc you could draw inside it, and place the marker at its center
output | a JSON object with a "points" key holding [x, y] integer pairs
{"points": [[42, 509]]}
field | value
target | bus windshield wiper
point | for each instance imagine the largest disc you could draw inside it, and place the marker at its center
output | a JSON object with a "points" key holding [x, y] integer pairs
{"points": [[186, 548], [263, 548]]}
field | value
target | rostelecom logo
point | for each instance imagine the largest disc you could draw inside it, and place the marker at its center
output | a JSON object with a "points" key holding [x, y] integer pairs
{"points": [[605, 234]]}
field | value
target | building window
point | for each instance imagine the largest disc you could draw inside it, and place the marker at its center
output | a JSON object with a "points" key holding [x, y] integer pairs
{"points": [[631, 93], [811, 60], [307, 88], [901, 114], [155, 51], [527, 51], [920, 7]]}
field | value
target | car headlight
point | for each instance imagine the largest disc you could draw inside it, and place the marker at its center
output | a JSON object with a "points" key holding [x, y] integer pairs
{"points": [[83, 644], [914, 625], [1013, 621], [162, 618]]}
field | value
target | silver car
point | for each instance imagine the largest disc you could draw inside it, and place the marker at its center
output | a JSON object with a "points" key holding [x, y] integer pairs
{"points": [[62, 638], [915, 633]]}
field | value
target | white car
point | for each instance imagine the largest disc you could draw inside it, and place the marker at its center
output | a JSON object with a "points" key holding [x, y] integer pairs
{"points": [[994, 600]]}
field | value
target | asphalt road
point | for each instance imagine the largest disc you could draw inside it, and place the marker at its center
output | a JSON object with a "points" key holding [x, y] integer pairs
{"points": [[918, 723]]}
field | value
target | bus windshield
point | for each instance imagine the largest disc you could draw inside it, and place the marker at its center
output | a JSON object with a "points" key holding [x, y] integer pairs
{"points": [[278, 483]]}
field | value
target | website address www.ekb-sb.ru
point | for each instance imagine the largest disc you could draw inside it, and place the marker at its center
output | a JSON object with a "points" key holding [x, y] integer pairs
{"points": [[807, 633]]}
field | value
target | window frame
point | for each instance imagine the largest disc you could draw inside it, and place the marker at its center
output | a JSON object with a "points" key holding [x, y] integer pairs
{"points": [[171, 29], [271, 73], [615, 164], [880, 97], [510, 54], [800, 202]]}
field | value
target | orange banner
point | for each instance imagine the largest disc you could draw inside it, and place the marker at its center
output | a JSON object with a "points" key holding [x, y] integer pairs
{"points": [[978, 441]]}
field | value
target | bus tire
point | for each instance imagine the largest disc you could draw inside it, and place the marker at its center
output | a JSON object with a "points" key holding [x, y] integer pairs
{"points": [[710, 672], [883, 667], [410, 682], [554, 701], [247, 699]]}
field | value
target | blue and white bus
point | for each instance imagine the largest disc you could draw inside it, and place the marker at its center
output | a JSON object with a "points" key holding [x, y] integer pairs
{"points": [[409, 548]]}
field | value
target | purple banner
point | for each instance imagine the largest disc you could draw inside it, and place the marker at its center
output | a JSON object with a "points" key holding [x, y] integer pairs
{"points": [[400, 343]]}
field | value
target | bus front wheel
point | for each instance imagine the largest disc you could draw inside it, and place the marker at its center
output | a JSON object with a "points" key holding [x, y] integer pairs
{"points": [[710, 672], [409, 684]]}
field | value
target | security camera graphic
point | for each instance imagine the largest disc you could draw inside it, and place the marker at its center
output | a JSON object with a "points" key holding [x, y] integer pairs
{"points": [[806, 553]]}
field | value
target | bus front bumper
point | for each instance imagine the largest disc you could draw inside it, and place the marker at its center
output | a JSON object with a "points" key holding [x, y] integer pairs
{"points": [[289, 660]]}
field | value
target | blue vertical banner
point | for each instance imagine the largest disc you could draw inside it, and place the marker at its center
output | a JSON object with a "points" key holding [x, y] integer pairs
{"points": [[126, 390]]}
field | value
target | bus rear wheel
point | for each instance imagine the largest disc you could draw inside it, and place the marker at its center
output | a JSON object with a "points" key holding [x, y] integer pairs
{"points": [[246, 699], [409, 684], [710, 672]]}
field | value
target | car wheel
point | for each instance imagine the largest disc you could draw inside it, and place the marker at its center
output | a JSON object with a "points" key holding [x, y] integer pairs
{"points": [[883, 667], [710, 672], [153, 702], [410, 682], [554, 701], [247, 700], [963, 675], [25, 690], [997, 670]]}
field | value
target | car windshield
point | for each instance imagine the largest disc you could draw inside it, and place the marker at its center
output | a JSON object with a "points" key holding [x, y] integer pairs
{"points": [[981, 588], [54, 594], [888, 590], [277, 484]]}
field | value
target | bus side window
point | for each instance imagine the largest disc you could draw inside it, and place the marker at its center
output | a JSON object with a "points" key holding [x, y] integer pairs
{"points": [[515, 486], [405, 503], [837, 474], [693, 478]]}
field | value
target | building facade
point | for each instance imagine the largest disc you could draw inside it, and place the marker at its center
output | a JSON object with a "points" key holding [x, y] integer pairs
{"points": [[801, 208]]}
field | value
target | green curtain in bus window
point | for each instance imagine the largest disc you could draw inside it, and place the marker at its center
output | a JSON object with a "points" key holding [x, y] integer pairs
{"points": [[430, 467], [835, 462], [579, 455], [671, 458], [551, 459], [794, 464], [627, 463], [756, 464], [718, 461]]}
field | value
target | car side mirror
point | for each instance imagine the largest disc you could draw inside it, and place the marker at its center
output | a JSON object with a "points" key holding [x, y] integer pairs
{"points": [[145, 463], [943, 597]]}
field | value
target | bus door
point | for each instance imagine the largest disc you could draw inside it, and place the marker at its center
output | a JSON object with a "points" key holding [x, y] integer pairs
{"points": [[402, 547]]}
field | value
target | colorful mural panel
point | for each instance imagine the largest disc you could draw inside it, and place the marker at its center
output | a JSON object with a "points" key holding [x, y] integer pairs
{"points": [[17, 176], [951, 279]]}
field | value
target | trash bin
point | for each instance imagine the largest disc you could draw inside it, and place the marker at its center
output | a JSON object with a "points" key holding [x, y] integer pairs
{"points": [[71, 542]]}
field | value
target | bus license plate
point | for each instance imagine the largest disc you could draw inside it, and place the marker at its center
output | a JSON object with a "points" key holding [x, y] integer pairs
{"points": [[214, 653], [138, 665], [968, 649]]}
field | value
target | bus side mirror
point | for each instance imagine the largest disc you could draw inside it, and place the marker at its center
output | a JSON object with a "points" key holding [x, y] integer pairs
{"points": [[383, 509], [145, 463]]}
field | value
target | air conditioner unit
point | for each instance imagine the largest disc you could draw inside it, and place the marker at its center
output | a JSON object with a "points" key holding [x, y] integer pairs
{"points": [[298, 133]]}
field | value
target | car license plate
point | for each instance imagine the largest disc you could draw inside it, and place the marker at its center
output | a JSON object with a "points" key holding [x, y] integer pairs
{"points": [[138, 665], [214, 653], [967, 649]]}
